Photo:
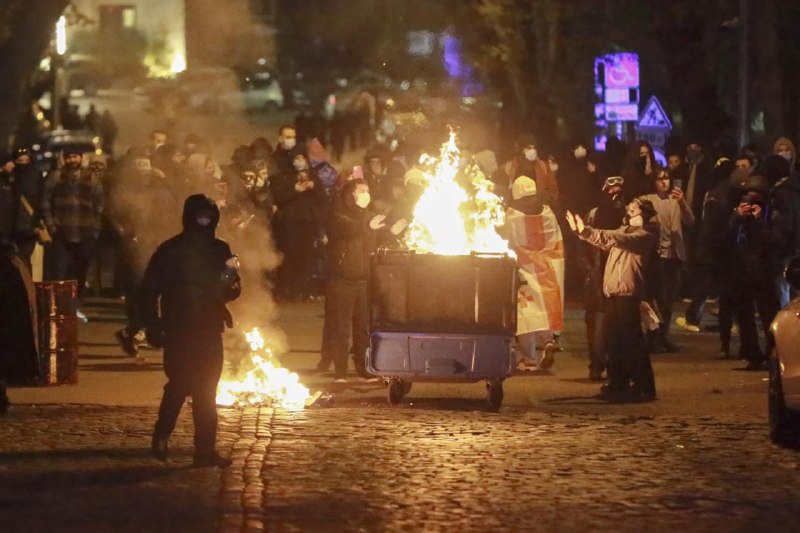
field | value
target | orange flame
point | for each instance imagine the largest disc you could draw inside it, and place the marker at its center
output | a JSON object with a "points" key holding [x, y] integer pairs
{"points": [[448, 219], [263, 382]]}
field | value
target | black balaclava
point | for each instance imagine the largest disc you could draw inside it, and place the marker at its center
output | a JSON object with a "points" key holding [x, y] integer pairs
{"points": [[196, 208]]}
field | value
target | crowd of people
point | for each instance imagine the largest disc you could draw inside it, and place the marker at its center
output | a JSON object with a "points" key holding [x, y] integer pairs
{"points": [[641, 236]]}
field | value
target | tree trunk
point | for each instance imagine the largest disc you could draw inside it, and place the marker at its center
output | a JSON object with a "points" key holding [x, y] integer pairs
{"points": [[769, 69], [25, 34]]}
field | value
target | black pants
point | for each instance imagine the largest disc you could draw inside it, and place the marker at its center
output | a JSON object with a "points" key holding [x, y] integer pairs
{"points": [[298, 265], [346, 315], [596, 340], [130, 286], [628, 358], [668, 272], [25, 247], [193, 366], [72, 260]]}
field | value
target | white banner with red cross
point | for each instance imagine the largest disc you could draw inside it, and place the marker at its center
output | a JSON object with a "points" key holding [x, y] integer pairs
{"points": [[537, 241]]}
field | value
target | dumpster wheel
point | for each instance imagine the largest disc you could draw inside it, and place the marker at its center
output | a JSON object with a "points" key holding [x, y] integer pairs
{"points": [[494, 394], [397, 389]]}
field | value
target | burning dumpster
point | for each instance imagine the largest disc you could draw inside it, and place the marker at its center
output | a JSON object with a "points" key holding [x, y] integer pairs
{"points": [[442, 318]]}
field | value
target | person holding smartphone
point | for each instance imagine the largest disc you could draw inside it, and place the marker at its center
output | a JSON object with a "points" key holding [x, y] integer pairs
{"points": [[673, 213]]}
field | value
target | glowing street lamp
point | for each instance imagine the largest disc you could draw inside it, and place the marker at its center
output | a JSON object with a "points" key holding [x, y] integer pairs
{"points": [[61, 35]]}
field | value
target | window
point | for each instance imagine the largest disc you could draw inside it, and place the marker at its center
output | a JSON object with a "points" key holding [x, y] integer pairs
{"points": [[117, 18]]}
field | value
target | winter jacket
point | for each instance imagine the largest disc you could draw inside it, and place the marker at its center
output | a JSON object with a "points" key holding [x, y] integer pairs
{"points": [[784, 222], [672, 216], [351, 240], [593, 260], [186, 279], [72, 205], [629, 249], [28, 184]]}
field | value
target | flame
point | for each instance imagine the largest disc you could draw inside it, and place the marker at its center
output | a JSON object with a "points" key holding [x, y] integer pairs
{"points": [[264, 382], [449, 219]]}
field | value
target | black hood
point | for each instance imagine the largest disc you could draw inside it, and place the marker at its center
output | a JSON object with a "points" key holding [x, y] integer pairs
{"points": [[193, 208], [774, 167]]}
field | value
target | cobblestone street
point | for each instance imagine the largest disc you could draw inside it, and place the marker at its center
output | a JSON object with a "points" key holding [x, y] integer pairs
{"points": [[396, 469], [76, 458]]}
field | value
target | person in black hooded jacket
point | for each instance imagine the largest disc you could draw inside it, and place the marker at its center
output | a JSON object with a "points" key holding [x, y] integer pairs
{"points": [[191, 277]]}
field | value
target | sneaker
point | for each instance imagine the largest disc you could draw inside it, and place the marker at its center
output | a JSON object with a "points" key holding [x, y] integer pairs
{"points": [[159, 447], [595, 375], [688, 326], [211, 459], [127, 342], [548, 357], [140, 340], [340, 380], [82, 317]]}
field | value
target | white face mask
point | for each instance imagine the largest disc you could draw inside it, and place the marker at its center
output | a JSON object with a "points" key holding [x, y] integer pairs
{"points": [[580, 152], [289, 143], [299, 165], [636, 221], [531, 154], [363, 199], [553, 167]]}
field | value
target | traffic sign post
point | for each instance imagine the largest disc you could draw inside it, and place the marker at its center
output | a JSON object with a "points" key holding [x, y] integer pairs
{"points": [[654, 126]]}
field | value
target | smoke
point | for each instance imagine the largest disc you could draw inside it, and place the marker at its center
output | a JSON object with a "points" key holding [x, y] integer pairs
{"points": [[145, 209]]}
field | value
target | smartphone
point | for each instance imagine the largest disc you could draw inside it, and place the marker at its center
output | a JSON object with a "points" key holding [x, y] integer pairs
{"points": [[358, 172], [677, 183]]}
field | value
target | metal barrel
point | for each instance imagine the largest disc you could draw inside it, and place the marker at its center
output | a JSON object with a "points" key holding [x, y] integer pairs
{"points": [[56, 304]]}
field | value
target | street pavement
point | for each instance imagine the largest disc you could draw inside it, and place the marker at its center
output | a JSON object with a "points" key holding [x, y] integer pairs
{"points": [[555, 458]]}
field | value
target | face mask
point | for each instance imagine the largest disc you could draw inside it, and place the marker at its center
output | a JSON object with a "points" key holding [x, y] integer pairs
{"points": [[553, 167], [531, 154], [362, 200], [786, 155], [289, 143], [299, 165], [204, 221], [580, 152], [636, 221]]}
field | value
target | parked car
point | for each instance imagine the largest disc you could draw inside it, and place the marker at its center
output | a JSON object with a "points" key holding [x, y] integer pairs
{"points": [[784, 371], [49, 149], [217, 90]]}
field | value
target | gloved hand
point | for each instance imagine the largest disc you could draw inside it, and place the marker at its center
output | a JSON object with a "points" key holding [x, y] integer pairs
{"points": [[154, 336]]}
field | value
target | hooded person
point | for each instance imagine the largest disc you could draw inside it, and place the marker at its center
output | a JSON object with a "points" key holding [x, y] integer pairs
{"points": [[785, 148], [186, 286], [28, 192], [142, 213], [608, 214], [784, 219], [534, 235], [171, 160], [747, 282], [528, 162], [629, 247]]}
